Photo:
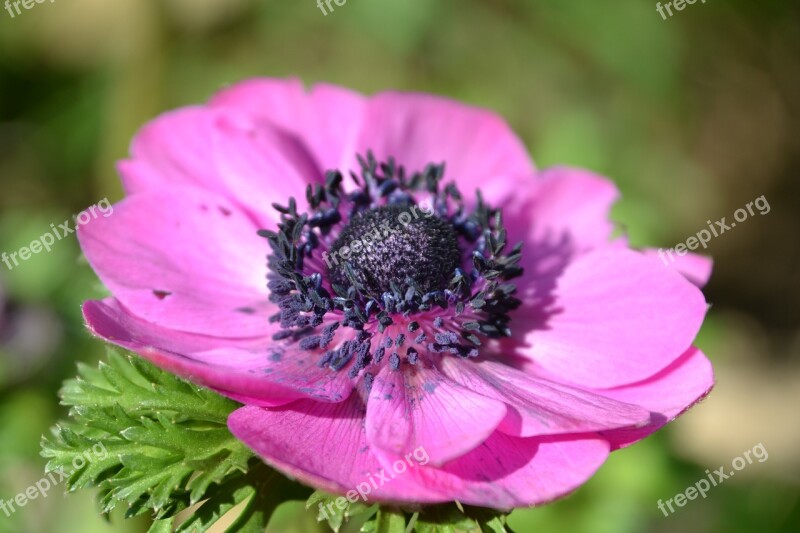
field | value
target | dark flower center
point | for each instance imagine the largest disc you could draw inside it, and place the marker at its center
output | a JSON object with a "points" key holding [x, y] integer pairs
{"points": [[370, 277], [391, 245]]}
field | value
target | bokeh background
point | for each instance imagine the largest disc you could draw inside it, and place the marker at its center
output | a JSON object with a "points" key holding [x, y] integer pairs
{"points": [[693, 117]]}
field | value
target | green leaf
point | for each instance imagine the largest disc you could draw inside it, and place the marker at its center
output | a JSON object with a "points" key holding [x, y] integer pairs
{"points": [[156, 444], [139, 387], [453, 518], [490, 520], [445, 519], [162, 526], [441, 518], [390, 521], [271, 489], [496, 524], [328, 510]]}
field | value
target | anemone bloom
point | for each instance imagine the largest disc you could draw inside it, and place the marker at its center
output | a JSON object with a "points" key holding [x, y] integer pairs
{"points": [[425, 288]]}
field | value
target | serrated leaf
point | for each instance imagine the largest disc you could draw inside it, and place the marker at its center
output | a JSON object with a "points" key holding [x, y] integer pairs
{"points": [[165, 446], [162, 526], [453, 518], [333, 514], [137, 386]]}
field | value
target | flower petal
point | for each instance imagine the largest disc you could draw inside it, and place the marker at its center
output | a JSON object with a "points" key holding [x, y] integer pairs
{"points": [[694, 267], [560, 215], [335, 123], [254, 371], [262, 165], [565, 201], [282, 102], [327, 119], [176, 148], [614, 318], [506, 472], [325, 445], [477, 146], [252, 165], [184, 259], [542, 407], [421, 407], [339, 117], [668, 394]]}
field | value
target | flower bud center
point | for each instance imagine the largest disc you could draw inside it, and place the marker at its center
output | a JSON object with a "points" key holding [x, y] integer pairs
{"points": [[392, 244]]}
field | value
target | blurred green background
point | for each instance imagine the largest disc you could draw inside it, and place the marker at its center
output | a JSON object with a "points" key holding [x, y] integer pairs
{"points": [[693, 117]]}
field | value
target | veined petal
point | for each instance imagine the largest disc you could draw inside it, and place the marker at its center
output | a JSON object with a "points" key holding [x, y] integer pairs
{"points": [[558, 216], [506, 472], [479, 149], [539, 406], [667, 395], [251, 164], [173, 149], [253, 371], [326, 119], [421, 407], [614, 318], [325, 445], [185, 259], [262, 165]]}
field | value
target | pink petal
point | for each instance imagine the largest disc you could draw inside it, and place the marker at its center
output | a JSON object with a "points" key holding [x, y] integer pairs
{"points": [[565, 202], [282, 102], [176, 148], [261, 166], [251, 165], [327, 119], [668, 394], [247, 370], [184, 259], [614, 318], [339, 117], [696, 268], [335, 124], [325, 445], [506, 472], [542, 407], [478, 147], [562, 214], [421, 407]]}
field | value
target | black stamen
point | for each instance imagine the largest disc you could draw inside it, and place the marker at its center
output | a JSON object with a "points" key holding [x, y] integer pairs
{"points": [[401, 260]]}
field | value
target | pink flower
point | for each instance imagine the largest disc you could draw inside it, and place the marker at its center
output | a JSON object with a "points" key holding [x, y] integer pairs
{"points": [[516, 371]]}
